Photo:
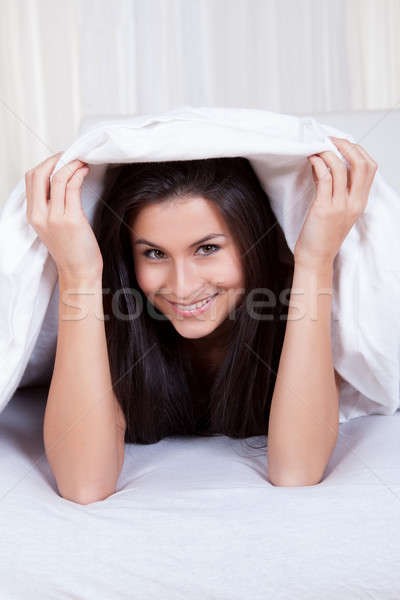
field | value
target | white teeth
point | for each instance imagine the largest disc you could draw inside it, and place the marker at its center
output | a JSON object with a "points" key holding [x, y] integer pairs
{"points": [[193, 306]]}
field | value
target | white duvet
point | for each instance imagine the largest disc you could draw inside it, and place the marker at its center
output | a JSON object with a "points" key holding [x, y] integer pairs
{"points": [[365, 315]]}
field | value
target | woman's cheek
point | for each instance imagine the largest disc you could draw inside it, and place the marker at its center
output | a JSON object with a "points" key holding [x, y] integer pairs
{"points": [[148, 279], [228, 270]]}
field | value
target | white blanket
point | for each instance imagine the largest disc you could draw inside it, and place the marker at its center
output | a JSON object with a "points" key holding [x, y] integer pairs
{"points": [[365, 320]]}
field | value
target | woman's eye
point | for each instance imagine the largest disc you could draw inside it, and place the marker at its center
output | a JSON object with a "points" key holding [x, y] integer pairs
{"points": [[210, 246], [147, 252]]}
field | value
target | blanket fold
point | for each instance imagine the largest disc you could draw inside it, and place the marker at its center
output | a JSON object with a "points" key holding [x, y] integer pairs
{"points": [[365, 324]]}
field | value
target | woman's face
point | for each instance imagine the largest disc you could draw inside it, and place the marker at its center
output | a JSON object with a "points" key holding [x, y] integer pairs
{"points": [[175, 264]]}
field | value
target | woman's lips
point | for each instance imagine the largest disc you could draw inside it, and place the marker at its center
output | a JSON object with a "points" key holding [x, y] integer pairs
{"points": [[195, 311]]}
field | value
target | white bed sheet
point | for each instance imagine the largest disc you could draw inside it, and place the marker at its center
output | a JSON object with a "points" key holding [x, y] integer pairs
{"points": [[196, 518]]}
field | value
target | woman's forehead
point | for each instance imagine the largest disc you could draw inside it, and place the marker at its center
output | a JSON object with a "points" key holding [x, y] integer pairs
{"points": [[183, 216]]}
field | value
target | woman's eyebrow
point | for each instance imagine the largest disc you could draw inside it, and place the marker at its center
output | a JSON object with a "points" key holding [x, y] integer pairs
{"points": [[204, 239]]}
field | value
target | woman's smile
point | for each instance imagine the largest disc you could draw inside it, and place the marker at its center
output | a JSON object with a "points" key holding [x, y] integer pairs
{"points": [[193, 309]]}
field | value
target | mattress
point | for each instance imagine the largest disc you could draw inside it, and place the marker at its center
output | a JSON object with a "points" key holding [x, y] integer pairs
{"points": [[196, 518]]}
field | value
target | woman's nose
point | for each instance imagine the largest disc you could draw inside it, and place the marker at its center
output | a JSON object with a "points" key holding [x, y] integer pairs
{"points": [[184, 281]]}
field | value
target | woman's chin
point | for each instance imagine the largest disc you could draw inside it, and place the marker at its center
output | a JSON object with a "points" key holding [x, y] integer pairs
{"points": [[193, 328]]}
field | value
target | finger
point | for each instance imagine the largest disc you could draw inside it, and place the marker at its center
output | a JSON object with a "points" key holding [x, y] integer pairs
{"points": [[37, 185], [50, 160], [373, 164], [338, 171], [73, 205], [360, 168], [323, 179], [363, 151], [28, 192], [58, 188]]}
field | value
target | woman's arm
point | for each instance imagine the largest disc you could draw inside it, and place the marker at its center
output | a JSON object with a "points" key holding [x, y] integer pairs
{"points": [[83, 425], [304, 416]]}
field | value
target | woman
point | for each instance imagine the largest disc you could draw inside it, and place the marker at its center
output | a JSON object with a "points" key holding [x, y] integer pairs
{"points": [[236, 366], [157, 245]]}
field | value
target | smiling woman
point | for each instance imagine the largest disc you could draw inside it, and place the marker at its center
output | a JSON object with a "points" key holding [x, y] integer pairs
{"points": [[187, 282], [198, 282]]}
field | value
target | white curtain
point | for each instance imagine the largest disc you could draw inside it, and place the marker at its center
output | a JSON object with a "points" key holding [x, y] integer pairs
{"points": [[293, 56], [40, 107], [62, 61]]}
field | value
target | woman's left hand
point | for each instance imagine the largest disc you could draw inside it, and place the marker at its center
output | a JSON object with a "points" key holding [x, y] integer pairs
{"points": [[340, 199]]}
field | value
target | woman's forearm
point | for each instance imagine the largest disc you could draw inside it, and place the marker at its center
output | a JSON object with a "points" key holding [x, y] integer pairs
{"points": [[80, 432], [304, 416]]}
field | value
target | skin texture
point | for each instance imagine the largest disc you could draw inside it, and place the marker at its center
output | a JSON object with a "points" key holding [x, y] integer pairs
{"points": [[176, 271]]}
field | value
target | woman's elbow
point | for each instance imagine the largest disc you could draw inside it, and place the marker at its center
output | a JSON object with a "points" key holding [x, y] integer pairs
{"points": [[294, 481], [87, 496]]}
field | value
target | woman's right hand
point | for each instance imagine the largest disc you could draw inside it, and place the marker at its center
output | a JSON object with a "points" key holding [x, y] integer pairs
{"points": [[55, 212]]}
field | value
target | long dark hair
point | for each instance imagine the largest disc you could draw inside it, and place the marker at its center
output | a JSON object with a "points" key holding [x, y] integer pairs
{"points": [[152, 377]]}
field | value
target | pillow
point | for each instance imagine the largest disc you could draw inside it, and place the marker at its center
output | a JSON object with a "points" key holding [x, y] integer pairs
{"points": [[365, 324]]}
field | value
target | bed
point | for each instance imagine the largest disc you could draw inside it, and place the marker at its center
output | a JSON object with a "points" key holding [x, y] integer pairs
{"points": [[196, 517]]}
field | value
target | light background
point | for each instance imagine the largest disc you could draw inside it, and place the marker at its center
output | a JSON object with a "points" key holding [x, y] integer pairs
{"points": [[62, 61]]}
